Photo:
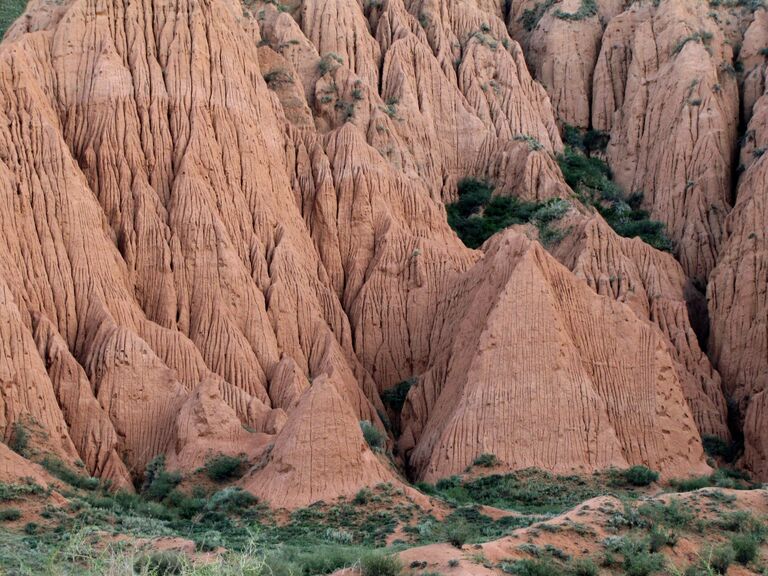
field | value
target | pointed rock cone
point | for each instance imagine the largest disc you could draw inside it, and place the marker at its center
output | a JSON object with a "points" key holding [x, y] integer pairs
{"points": [[319, 455]]}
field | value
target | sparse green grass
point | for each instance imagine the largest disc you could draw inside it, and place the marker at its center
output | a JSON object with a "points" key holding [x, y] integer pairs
{"points": [[63, 472], [532, 491], [10, 10], [477, 214], [591, 179]]}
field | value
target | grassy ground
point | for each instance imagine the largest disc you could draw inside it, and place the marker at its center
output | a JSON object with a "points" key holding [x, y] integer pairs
{"points": [[99, 532], [9, 11]]}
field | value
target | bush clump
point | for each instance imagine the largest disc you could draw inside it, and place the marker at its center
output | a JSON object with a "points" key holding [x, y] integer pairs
{"points": [[232, 499], [9, 514], [639, 476], [591, 179], [458, 533], [721, 558], [486, 460], [380, 565], [64, 473], [533, 567], [745, 547], [161, 564], [373, 436], [20, 440], [716, 447], [223, 467], [477, 214], [158, 483], [639, 560], [395, 396], [582, 567]]}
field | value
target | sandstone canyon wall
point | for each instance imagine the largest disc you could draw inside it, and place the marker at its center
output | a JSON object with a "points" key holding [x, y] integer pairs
{"points": [[223, 230]]}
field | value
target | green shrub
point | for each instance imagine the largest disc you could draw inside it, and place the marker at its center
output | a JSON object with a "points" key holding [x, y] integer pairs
{"points": [[745, 547], [161, 564], [716, 447], [582, 567], [380, 565], [184, 505], [223, 467], [486, 460], [639, 560], [587, 9], [585, 140], [639, 476], [457, 533], [10, 492], [643, 564], [329, 62], [363, 496], [477, 214], [64, 473], [721, 558], [20, 440], [531, 16], [9, 514], [31, 528], [373, 436], [691, 484], [231, 499], [591, 179], [673, 514], [659, 538], [158, 483], [534, 567], [721, 478]]}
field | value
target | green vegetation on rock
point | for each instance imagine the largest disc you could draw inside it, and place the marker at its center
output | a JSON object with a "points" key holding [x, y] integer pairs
{"points": [[10, 10], [478, 214]]}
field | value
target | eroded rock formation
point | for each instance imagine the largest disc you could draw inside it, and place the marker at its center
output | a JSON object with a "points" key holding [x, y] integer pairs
{"points": [[223, 228]]}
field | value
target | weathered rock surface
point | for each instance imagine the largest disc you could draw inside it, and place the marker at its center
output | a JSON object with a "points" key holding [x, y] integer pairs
{"points": [[664, 89], [738, 296], [536, 368], [654, 286], [562, 42], [319, 455], [222, 227]]}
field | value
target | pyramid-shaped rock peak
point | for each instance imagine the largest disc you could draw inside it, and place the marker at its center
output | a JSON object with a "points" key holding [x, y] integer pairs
{"points": [[319, 455], [207, 426], [536, 368], [224, 226]]}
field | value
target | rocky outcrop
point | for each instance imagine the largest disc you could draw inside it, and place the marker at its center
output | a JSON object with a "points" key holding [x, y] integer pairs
{"points": [[222, 227], [207, 427], [738, 296], [654, 286], [536, 368], [752, 58], [562, 41], [664, 88], [319, 455]]}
